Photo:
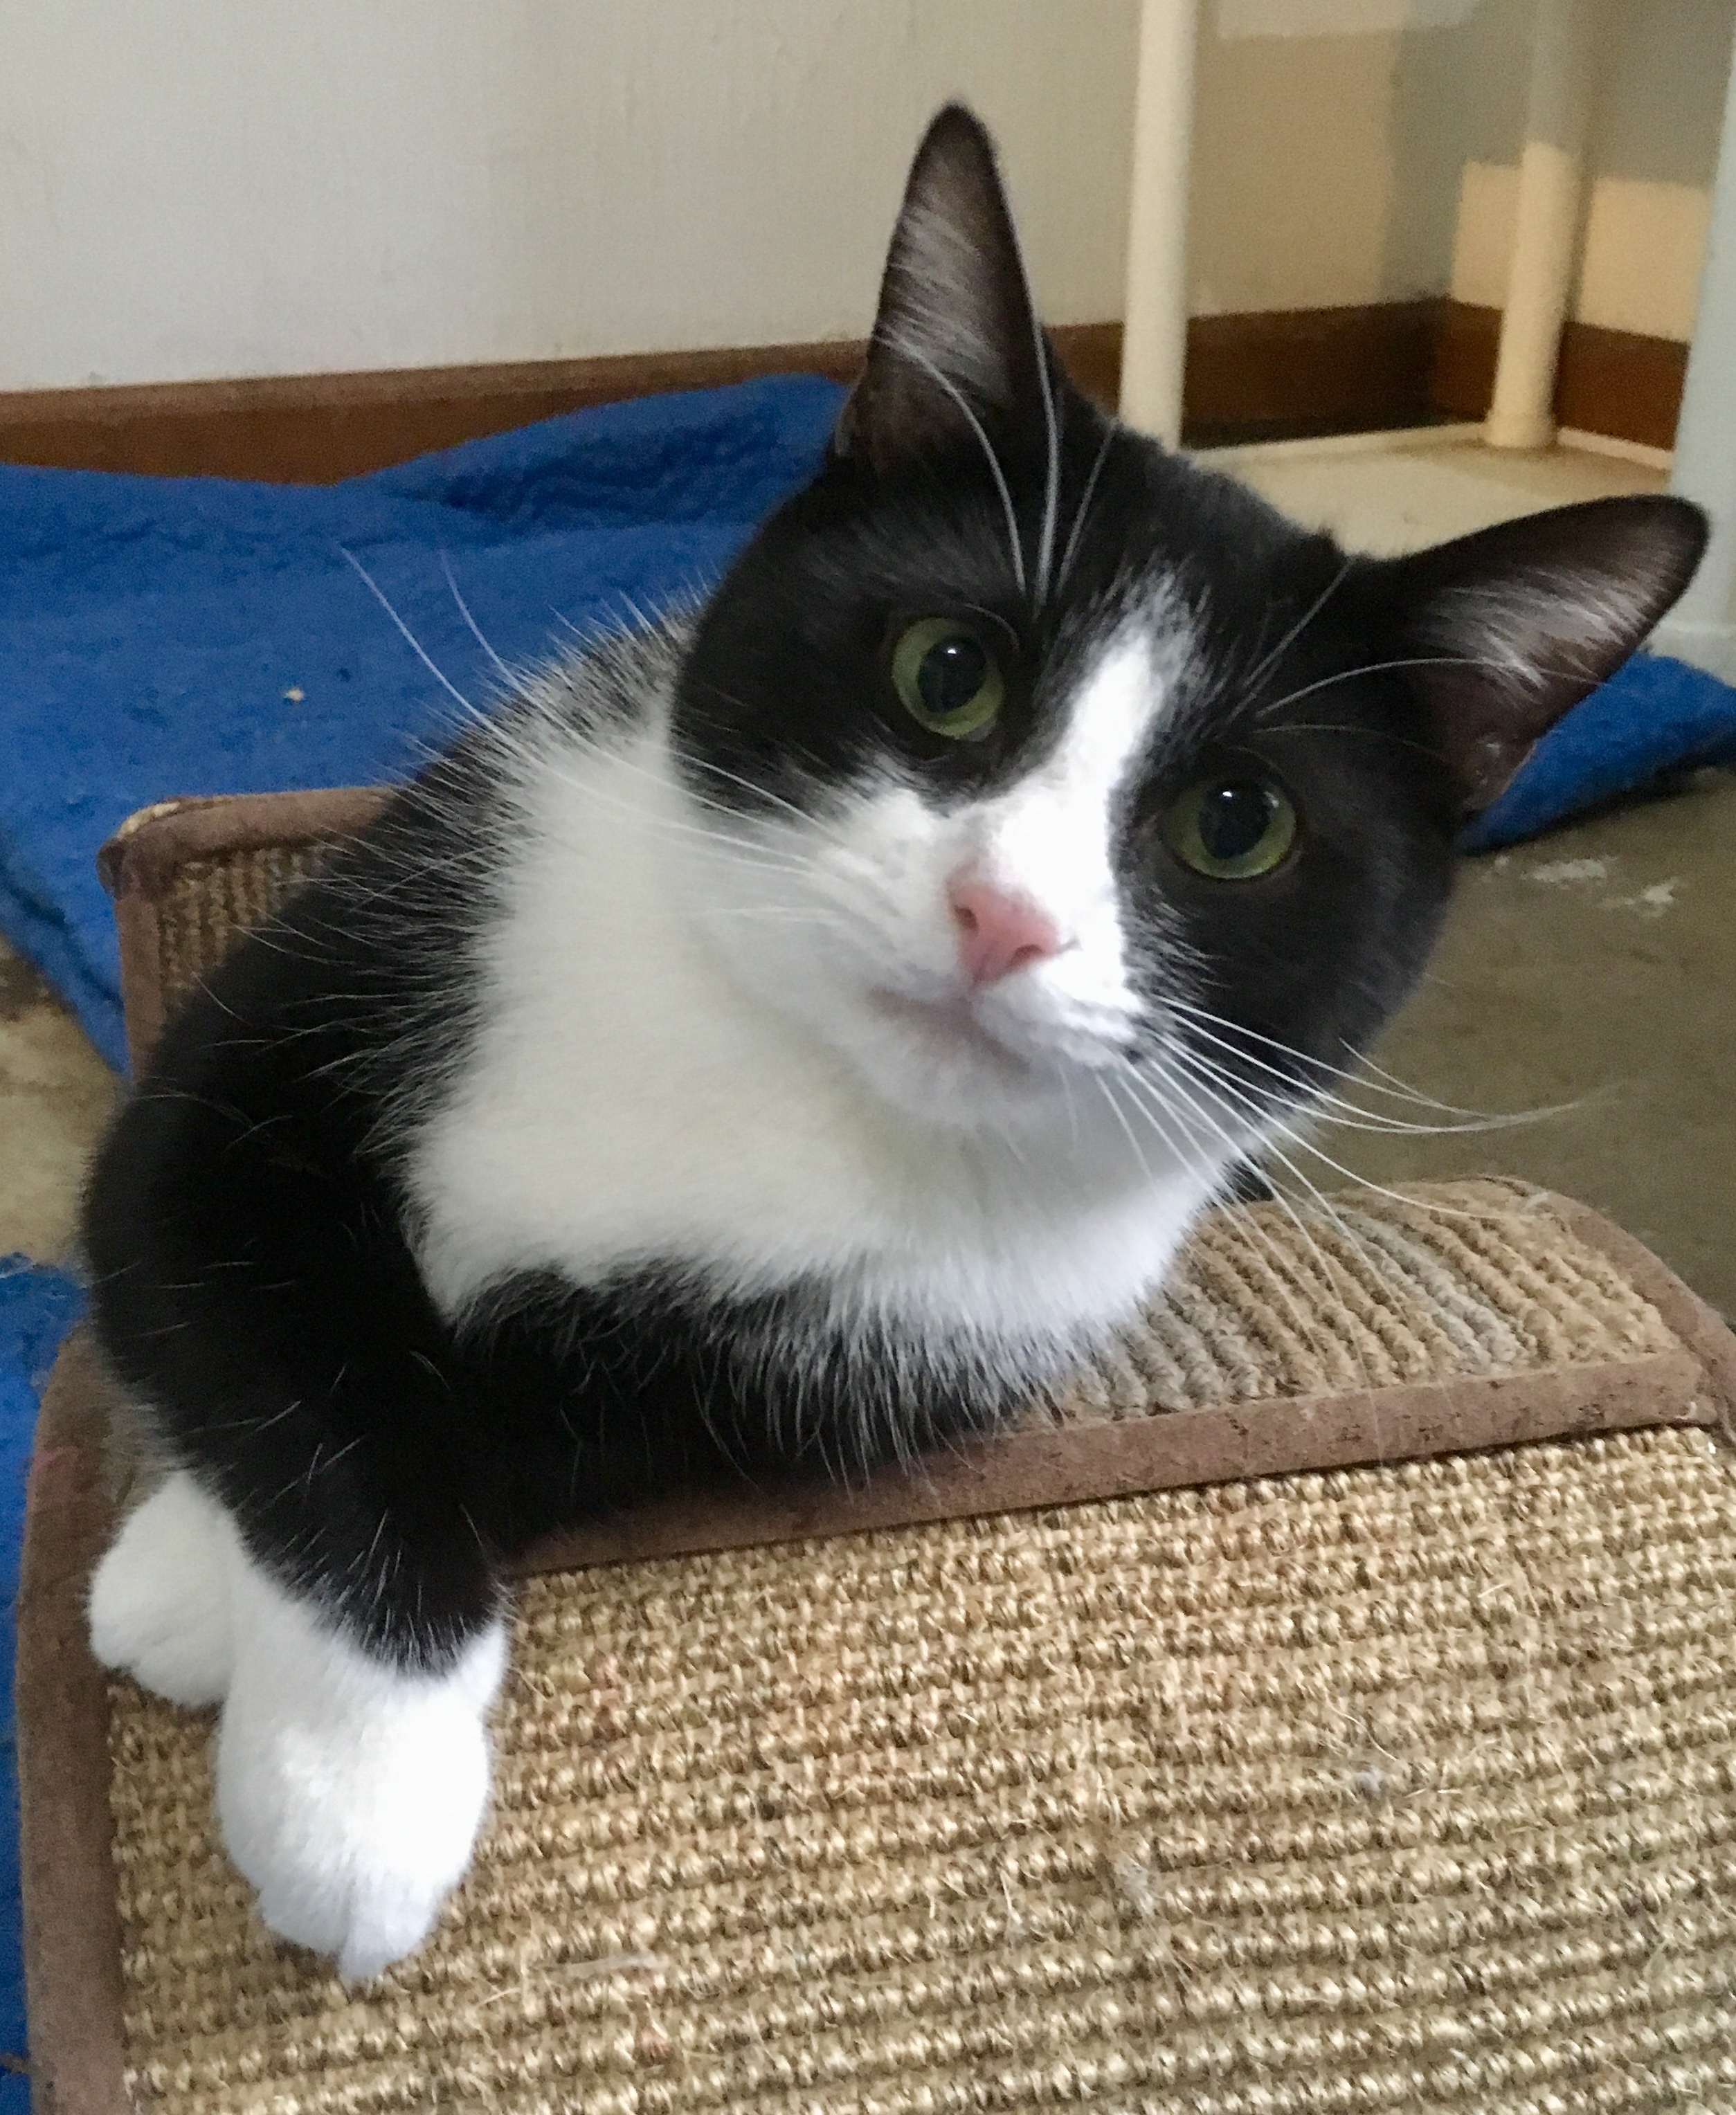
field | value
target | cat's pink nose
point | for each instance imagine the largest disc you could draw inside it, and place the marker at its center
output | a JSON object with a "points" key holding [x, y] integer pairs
{"points": [[998, 933]]}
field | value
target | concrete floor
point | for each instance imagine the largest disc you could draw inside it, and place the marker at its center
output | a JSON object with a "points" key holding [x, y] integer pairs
{"points": [[1596, 968], [1387, 493]]}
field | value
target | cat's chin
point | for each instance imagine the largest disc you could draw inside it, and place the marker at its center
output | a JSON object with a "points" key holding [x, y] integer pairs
{"points": [[936, 1059], [949, 1029]]}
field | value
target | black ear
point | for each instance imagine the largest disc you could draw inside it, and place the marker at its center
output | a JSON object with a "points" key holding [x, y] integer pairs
{"points": [[1512, 626], [956, 337]]}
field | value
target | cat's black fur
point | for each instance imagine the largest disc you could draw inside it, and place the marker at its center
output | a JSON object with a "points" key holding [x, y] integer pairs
{"points": [[248, 1229]]}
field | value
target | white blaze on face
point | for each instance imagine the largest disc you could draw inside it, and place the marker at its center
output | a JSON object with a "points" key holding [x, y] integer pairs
{"points": [[1051, 839], [847, 922]]}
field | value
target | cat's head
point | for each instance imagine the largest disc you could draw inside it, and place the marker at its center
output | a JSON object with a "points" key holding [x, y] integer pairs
{"points": [[1041, 768]]}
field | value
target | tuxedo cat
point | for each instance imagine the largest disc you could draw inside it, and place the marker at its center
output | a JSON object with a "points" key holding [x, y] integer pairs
{"points": [[783, 1037]]}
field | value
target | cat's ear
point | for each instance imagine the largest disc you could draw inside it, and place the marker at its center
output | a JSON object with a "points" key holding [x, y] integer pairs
{"points": [[956, 337], [1509, 628]]}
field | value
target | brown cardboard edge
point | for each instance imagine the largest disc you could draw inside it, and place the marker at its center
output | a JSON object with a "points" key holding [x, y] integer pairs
{"points": [[1691, 1319], [145, 853], [71, 1917], [142, 1007], [1280, 1436]]}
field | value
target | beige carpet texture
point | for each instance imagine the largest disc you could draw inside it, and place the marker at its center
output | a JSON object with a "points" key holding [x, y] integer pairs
{"points": [[1376, 1790], [1229, 1739]]}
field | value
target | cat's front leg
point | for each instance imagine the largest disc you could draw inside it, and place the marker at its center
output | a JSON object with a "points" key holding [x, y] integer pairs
{"points": [[349, 1787]]}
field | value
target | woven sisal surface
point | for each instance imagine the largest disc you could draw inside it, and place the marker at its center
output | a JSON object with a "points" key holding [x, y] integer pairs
{"points": [[210, 900], [1373, 1291], [1382, 1790], [188, 876]]}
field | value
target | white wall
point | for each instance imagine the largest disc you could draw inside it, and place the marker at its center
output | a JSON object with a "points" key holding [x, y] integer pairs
{"points": [[1639, 268], [192, 188], [1653, 151], [202, 187]]}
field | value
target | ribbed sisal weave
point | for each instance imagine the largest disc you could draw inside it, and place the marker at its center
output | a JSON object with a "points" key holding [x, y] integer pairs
{"points": [[214, 899], [1369, 1292], [1384, 1790], [1400, 1788]]}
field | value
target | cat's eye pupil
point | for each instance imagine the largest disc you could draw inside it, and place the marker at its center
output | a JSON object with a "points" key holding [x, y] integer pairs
{"points": [[1232, 829], [946, 679], [951, 674], [1233, 818]]}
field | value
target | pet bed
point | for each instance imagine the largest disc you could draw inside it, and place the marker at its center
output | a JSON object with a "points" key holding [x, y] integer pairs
{"points": [[1654, 719], [1329, 1705], [159, 633], [162, 633]]}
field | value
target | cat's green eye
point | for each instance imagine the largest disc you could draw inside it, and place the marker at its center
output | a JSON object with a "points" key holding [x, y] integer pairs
{"points": [[1232, 829], [947, 680]]}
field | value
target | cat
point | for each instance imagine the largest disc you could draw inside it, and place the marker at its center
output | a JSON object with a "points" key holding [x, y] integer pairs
{"points": [[791, 1033]]}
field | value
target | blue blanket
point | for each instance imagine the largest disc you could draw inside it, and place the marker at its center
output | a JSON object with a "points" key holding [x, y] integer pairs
{"points": [[165, 635], [36, 1308], [1655, 716]]}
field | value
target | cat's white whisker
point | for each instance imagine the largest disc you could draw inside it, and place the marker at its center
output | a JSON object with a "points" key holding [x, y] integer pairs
{"points": [[747, 849], [1337, 1109], [1389, 735], [415, 645], [907, 349], [1276, 1128], [1390, 1083], [501, 669], [778, 914], [1052, 449], [1268, 1152], [1174, 1084], [1149, 1093], [1311, 1065], [1083, 509], [1105, 1086], [1249, 684], [1480, 662], [759, 793]]}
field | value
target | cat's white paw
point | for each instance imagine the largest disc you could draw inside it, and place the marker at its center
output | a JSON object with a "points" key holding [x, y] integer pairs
{"points": [[350, 1793], [159, 1601]]}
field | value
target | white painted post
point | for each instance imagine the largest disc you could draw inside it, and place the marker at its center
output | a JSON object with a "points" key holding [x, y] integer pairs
{"points": [[1154, 350], [1545, 243], [1702, 628]]}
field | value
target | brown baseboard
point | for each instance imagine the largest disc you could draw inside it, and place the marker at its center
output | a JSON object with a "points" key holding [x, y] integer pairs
{"points": [[1288, 372], [1612, 382], [1249, 378], [315, 429], [1263, 376]]}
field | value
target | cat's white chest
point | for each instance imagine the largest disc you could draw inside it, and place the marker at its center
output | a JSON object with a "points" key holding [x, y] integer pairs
{"points": [[627, 1103]]}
